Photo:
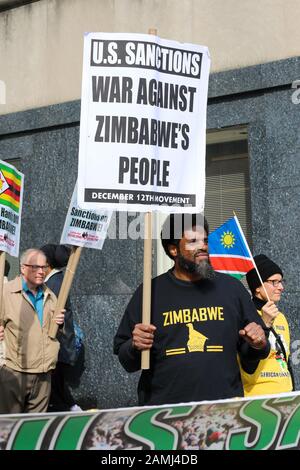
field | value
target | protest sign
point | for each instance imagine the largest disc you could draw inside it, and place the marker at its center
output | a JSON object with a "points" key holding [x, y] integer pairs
{"points": [[143, 123], [11, 196], [85, 228]]}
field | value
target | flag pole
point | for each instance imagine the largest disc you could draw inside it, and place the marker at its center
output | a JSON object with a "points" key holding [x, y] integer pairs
{"points": [[252, 259]]}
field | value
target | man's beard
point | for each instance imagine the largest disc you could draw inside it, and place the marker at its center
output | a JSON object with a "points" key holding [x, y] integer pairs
{"points": [[203, 269]]}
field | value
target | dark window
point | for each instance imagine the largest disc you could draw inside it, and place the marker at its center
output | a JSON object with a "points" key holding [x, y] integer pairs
{"points": [[228, 184]]}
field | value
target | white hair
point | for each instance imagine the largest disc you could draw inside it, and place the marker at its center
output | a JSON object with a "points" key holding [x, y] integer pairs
{"points": [[25, 255]]}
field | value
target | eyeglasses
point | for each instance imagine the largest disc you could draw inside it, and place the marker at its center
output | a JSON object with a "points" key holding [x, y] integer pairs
{"points": [[275, 282], [36, 267]]}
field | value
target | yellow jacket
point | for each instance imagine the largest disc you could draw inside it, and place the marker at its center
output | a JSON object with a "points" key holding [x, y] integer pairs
{"points": [[272, 374]]}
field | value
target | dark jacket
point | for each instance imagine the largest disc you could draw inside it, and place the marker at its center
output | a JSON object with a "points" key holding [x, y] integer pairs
{"points": [[67, 352]]}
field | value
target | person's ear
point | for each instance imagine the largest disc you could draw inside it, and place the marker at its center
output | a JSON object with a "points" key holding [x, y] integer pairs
{"points": [[173, 250], [257, 290]]}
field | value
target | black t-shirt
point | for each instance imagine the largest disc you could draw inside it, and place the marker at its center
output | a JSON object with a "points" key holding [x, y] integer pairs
{"points": [[194, 355]]}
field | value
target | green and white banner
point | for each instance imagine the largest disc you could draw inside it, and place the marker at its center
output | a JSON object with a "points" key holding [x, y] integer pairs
{"points": [[270, 422]]}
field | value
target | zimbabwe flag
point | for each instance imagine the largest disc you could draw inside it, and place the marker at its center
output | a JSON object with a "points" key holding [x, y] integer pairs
{"points": [[10, 187], [229, 251]]}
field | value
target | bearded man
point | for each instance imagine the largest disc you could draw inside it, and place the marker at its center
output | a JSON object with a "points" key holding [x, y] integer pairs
{"points": [[201, 322]]}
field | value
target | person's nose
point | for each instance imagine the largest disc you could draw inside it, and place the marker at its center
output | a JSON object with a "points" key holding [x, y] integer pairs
{"points": [[202, 245]]}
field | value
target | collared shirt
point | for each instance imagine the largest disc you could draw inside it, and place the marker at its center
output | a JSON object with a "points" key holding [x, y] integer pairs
{"points": [[36, 300], [52, 272]]}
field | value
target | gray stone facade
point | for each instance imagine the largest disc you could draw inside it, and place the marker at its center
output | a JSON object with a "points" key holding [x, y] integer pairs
{"points": [[45, 141]]}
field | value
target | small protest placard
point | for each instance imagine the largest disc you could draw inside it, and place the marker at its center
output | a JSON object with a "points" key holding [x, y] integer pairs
{"points": [[11, 197], [85, 228]]}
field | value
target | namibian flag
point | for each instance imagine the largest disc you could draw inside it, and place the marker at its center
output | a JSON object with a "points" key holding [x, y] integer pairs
{"points": [[228, 249], [10, 186]]}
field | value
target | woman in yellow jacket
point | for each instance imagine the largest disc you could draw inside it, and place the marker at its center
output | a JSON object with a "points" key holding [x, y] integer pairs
{"points": [[273, 374]]}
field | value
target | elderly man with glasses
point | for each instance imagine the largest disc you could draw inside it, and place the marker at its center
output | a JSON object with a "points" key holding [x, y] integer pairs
{"points": [[30, 354], [273, 374]]}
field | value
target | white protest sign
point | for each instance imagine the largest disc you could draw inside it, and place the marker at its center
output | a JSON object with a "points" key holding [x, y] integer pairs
{"points": [[143, 123], [85, 228], [11, 197]]}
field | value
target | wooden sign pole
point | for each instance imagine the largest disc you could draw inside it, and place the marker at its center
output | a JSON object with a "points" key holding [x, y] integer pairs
{"points": [[145, 364], [65, 287], [147, 276], [2, 267]]}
